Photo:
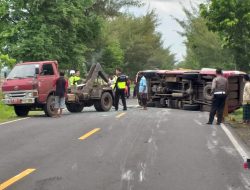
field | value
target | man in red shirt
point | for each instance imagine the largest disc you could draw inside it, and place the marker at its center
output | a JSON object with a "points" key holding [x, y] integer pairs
{"points": [[61, 88]]}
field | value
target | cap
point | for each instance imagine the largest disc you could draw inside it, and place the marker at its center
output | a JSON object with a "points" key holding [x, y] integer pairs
{"points": [[72, 72]]}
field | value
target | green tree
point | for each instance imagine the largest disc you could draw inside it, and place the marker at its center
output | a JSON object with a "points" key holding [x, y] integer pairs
{"points": [[112, 8], [6, 61], [231, 18], [42, 30], [113, 57], [141, 44], [204, 47]]}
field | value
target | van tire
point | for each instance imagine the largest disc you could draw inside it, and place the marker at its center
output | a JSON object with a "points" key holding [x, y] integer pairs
{"points": [[21, 111], [191, 107], [207, 92], [74, 108]]}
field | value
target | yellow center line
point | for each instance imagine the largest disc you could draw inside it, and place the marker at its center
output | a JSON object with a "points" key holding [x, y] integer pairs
{"points": [[16, 178], [120, 115], [89, 134]]}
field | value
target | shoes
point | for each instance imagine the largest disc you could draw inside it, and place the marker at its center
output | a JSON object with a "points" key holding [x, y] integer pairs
{"points": [[209, 123], [218, 123], [124, 109]]}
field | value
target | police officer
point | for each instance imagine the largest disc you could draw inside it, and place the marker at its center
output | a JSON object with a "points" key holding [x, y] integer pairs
{"points": [[120, 86], [219, 90]]}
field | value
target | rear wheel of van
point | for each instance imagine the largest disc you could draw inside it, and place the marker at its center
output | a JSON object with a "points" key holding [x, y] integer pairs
{"points": [[21, 111], [75, 108], [49, 107], [191, 107]]}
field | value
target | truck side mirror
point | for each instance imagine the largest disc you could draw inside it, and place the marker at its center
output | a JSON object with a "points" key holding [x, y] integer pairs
{"points": [[37, 71]]}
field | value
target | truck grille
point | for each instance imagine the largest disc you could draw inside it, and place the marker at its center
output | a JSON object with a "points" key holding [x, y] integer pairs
{"points": [[17, 95]]}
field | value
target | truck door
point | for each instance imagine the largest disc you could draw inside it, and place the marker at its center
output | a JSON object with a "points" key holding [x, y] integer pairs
{"points": [[46, 79]]}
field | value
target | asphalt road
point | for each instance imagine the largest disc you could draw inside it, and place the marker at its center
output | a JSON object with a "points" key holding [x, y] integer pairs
{"points": [[158, 149]]}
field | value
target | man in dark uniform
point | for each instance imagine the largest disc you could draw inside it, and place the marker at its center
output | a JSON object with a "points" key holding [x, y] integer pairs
{"points": [[219, 90], [120, 87]]}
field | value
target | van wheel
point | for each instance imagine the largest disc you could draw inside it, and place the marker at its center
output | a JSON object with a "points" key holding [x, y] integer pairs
{"points": [[191, 107], [207, 92], [49, 107], [75, 108], [21, 111], [105, 103]]}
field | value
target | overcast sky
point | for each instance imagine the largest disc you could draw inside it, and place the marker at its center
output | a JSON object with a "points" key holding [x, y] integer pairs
{"points": [[168, 27]]}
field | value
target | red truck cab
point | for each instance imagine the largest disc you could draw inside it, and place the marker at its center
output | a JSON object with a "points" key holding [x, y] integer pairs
{"points": [[29, 86]]}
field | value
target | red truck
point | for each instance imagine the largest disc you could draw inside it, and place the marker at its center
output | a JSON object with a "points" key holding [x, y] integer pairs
{"points": [[29, 86]]}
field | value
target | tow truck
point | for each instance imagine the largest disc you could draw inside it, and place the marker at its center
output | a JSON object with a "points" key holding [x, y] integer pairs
{"points": [[29, 87]]}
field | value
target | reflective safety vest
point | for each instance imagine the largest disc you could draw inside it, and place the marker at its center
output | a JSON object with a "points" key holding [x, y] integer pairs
{"points": [[71, 80], [114, 82], [76, 80], [121, 82]]}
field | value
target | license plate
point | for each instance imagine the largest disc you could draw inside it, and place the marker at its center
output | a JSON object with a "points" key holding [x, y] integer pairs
{"points": [[15, 101]]}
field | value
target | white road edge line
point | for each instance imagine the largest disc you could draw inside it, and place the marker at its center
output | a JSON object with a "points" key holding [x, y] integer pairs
{"points": [[241, 151], [13, 121]]}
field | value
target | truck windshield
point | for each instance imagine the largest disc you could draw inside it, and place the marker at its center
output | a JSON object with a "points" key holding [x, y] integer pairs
{"points": [[22, 71]]}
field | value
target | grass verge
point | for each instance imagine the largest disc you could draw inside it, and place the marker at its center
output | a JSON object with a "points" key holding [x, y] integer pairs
{"points": [[7, 113], [242, 130]]}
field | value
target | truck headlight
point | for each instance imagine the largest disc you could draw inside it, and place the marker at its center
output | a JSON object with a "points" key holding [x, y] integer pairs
{"points": [[29, 94]]}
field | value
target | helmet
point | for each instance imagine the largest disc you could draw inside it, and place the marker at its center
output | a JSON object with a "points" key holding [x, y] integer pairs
{"points": [[72, 72]]}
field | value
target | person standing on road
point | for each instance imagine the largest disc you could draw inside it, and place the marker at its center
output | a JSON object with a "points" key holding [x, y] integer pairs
{"points": [[143, 91], [219, 91], [246, 101], [120, 86], [61, 88]]}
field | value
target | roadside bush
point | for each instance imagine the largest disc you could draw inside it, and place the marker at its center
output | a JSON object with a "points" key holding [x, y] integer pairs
{"points": [[7, 112]]}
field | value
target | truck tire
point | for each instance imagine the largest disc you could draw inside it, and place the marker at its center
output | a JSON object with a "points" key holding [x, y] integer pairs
{"points": [[49, 107], [191, 107], [74, 108], [21, 111], [105, 103], [151, 104], [207, 92]]}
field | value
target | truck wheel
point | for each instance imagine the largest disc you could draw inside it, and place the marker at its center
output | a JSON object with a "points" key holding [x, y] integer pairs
{"points": [[207, 92], [191, 107], [21, 111], [150, 104], [49, 107], [75, 108], [105, 103]]}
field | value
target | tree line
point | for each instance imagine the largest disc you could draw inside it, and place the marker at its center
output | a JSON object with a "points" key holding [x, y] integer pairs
{"points": [[217, 35], [78, 33]]}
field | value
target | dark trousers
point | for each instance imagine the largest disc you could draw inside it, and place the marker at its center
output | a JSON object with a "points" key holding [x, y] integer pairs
{"points": [[217, 106], [120, 94], [135, 91], [143, 99]]}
